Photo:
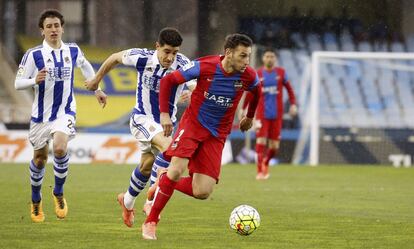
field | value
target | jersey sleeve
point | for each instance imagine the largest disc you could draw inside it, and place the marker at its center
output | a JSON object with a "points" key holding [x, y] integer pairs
{"points": [[191, 70], [131, 56], [80, 60], [285, 78], [27, 67], [255, 81]]}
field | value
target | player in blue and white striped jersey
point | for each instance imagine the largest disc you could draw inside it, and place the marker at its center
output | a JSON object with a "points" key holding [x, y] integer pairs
{"points": [[49, 70], [151, 66]]}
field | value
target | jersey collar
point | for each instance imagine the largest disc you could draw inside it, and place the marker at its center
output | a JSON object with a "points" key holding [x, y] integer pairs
{"points": [[49, 49]]}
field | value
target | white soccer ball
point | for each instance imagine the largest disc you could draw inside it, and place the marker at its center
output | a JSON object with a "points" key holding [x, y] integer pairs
{"points": [[244, 219]]}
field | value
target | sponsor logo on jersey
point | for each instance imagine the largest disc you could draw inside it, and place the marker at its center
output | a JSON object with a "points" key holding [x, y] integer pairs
{"points": [[222, 101], [270, 89]]}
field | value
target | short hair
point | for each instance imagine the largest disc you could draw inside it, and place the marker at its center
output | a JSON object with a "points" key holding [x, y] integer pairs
{"points": [[270, 50], [170, 36], [50, 13], [234, 40]]}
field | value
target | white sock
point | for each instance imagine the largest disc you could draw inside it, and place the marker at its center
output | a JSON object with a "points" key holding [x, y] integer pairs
{"points": [[129, 200], [148, 202]]}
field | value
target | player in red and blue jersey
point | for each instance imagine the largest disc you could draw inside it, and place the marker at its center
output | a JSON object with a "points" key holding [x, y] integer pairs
{"points": [[269, 115], [200, 138]]}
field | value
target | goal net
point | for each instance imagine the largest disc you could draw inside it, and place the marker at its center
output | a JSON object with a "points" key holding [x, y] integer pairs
{"points": [[359, 109]]}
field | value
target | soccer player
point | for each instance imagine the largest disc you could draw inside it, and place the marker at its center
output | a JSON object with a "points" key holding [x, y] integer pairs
{"points": [[269, 114], [199, 140], [48, 69], [145, 126]]}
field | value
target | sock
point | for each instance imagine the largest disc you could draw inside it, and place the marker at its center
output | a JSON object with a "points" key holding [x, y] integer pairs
{"points": [[166, 189], [260, 148], [36, 179], [185, 185], [269, 155], [60, 168], [136, 185], [160, 162]]}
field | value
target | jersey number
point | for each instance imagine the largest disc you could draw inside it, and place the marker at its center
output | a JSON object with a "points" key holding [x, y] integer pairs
{"points": [[179, 136]]}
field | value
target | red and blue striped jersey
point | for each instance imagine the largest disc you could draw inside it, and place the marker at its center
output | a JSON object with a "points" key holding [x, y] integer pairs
{"points": [[214, 101]]}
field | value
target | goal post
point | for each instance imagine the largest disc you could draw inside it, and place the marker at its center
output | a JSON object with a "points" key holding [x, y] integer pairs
{"points": [[378, 60]]}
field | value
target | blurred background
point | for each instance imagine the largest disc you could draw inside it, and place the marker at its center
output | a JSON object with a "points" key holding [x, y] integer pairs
{"points": [[366, 107]]}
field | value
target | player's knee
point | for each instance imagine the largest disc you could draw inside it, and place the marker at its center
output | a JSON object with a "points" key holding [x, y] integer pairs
{"points": [[201, 194], [40, 161], [59, 150]]}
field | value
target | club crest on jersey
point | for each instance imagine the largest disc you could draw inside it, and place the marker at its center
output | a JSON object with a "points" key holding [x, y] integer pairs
{"points": [[67, 60], [149, 69], [238, 84]]}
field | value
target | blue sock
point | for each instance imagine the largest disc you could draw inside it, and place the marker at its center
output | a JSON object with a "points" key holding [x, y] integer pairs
{"points": [[60, 168], [36, 179], [137, 182], [160, 162]]}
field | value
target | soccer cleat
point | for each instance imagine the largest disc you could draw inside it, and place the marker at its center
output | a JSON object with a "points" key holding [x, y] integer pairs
{"points": [[148, 230], [37, 214], [266, 176], [259, 176], [61, 207], [147, 208], [151, 191], [127, 215]]}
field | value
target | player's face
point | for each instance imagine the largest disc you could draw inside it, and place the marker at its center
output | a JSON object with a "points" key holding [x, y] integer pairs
{"points": [[52, 29], [269, 59], [166, 54], [240, 57]]}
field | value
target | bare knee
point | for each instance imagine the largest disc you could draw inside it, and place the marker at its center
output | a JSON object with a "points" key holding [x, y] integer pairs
{"points": [[40, 161], [59, 150], [201, 193]]}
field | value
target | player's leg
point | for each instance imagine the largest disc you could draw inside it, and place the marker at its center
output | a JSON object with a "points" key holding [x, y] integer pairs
{"points": [[62, 131], [37, 172], [262, 127], [167, 182], [274, 141], [161, 161]]}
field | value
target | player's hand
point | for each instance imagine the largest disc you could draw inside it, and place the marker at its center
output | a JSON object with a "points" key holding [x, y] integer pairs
{"points": [[246, 123], [185, 97], [41, 76], [92, 84], [293, 110], [101, 97], [166, 123], [257, 124]]}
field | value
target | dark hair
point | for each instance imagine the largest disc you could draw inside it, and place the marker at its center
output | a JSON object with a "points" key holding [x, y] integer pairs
{"points": [[170, 36], [50, 13], [270, 50], [234, 40]]}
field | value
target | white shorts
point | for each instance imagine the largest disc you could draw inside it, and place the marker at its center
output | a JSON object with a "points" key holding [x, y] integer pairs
{"points": [[41, 133], [144, 129]]}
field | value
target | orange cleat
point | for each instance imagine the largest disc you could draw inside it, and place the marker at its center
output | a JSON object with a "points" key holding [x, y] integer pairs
{"points": [[127, 215], [151, 191], [37, 214], [61, 207], [148, 231]]}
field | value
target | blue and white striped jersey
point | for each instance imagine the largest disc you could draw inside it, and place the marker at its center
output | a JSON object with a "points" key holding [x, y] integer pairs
{"points": [[149, 75], [53, 97]]}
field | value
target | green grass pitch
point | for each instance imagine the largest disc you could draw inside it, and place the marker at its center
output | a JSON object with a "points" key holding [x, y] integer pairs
{"points": [[300, 207]]}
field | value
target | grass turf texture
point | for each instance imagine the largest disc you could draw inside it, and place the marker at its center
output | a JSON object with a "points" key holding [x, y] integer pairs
{"points": [[300, 207]]}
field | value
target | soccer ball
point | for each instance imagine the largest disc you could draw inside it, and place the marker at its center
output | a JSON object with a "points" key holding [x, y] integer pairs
{"points": [[244, 219]]}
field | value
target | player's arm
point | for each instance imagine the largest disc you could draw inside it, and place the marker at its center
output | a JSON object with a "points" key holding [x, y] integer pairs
{"points": [[186, 94], [106, 66], [293, 109], [88, 72], [247, 121], [255, 90], [27, 69], [189, 72]]}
